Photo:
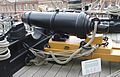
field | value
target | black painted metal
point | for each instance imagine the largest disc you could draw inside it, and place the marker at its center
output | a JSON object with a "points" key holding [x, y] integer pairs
{"points": [[74, 1], [78, 24], [19, 55]]}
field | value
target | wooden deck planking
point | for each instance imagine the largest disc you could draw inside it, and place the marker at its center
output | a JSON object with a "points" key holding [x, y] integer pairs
{"points": [[72, 69], [105, 69], [80, 73], [75, 69], [21, 71], [44, 69], [53, 71], [63, 72], [95, 75], [115, 67], [31, 71]]}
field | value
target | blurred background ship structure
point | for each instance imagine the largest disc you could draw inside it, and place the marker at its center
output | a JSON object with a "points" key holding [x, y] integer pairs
{"points": [[11, 7], [15, 8]]}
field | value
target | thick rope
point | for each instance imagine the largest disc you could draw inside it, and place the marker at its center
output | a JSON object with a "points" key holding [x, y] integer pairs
{"points": [[73, 55], [77, 51], [115, 10], [4, 51]]}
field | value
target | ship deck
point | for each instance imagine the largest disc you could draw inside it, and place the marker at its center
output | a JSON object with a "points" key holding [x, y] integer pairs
{"points": [[72, 69]]}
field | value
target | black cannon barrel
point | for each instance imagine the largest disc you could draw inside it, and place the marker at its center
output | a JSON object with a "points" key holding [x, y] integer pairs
{"points": [[78, 24]]}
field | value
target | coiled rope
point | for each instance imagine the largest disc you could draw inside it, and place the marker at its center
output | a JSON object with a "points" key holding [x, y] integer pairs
{"points": [[115, 10], [4, 51]]}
